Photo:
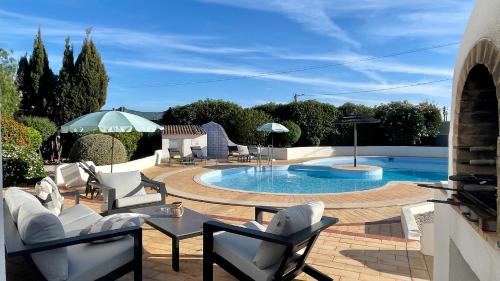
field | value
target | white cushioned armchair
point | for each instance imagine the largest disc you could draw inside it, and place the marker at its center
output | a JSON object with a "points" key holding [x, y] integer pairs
{"points": [[122, 191], [254, 252]]}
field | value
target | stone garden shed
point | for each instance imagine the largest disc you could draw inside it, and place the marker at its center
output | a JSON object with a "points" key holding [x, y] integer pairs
{"points": [[182, 138]]}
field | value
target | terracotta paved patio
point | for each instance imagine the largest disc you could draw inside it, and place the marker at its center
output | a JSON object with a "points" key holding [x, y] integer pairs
{"points": [[367, 244]]}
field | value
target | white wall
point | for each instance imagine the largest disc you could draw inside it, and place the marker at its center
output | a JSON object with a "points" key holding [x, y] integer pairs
{"points": [[139, 164], [482, 258], [183, 143], [329, 151]]}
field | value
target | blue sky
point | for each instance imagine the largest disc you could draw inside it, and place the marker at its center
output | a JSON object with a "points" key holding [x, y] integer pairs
{"points": [[166, 53]]}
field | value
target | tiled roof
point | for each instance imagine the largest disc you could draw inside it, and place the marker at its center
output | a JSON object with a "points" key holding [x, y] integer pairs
{"points": [[184, 130]]}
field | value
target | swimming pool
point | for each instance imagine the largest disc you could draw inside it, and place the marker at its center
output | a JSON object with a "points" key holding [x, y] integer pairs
{"points": [[316, 177]]}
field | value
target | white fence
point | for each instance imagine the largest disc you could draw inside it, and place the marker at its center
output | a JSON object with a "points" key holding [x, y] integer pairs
{"points": [[134, 165], [330, 151]]}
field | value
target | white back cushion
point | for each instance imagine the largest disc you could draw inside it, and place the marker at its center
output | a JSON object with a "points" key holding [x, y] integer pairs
{"points": [[126, 184], [287, 222], [15, 198], [73, 175], [37, 224]]}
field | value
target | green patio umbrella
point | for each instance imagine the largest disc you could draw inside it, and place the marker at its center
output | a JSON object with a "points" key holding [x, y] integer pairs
{"points": [[272, 128], [110, 122]]}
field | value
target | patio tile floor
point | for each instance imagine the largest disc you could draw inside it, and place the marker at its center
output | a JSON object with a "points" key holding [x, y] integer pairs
{"points": [[367, 244]]}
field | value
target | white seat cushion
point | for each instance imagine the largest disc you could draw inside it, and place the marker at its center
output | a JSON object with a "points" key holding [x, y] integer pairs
{"points": [[15, 198], [138, 199], [37, 224], [92, 261], [126, 184], [75, 228], [76, 218], [241, 250], [74, 213], [285, 223]]}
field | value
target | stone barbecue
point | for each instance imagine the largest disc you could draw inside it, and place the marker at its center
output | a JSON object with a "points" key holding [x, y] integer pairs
{"points": [[467, 227]]}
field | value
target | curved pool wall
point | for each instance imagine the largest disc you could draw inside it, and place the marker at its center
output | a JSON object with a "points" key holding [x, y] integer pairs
{"points": [[317, 176], [374, 174]]}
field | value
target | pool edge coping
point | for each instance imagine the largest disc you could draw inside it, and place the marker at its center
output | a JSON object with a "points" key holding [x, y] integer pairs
{"points": [[247, 203]]}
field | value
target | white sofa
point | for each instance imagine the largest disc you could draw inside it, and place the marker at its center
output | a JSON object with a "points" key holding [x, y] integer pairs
{"points": [[29, 225]]}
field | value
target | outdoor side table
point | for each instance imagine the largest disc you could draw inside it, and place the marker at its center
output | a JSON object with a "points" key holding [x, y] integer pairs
{"points": [[188, 226]]}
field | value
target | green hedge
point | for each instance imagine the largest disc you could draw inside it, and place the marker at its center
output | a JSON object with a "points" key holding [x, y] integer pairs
{"points": [[42, 124], [36, 138], [97, 148], [290, 138], [245, 132], [402, 123], [129, 140]]}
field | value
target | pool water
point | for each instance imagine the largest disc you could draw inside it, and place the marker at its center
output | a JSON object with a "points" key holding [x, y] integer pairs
{"points": [[316, 177]]}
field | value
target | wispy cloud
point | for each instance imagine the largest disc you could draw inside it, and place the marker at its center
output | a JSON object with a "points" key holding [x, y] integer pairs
{"points": [[364, 64], [424, 19], [237, 71], [53, 29], [312, 15]]}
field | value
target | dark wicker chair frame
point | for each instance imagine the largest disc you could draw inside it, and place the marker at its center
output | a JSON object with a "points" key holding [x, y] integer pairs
{"points": [[14, 246], [90, 170], [145, 182], [290, 266]]}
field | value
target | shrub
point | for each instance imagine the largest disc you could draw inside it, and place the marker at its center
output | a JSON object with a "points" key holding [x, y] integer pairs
{"points": [[247, 121], [290, 138], [36, 138], [368, 134], [97, 148], [403, 123], [432, 118], [316, 119], [21, 165], [9, 96], [147, 144], [204, 111], [315, 141], [14, 133], [129, 140], [46, 127]]}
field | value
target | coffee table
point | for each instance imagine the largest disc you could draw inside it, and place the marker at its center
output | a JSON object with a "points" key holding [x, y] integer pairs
{"points": [[188, 226]]}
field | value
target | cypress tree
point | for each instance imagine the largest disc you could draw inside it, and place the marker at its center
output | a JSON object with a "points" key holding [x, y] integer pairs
{"points": [[23, 83], [91, 78], [41, 94], [65, 94]]}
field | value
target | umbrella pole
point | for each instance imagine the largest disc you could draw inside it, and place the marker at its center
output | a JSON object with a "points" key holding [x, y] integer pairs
{"points": [[355, 144], [112, 151], [272, 148]]}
